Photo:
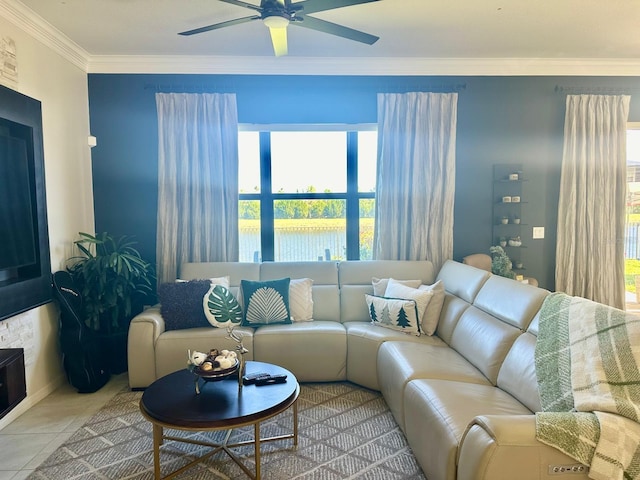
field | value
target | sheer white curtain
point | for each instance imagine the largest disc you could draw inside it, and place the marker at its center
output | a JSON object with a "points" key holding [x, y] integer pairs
{"points": [[591, 210], [416, 176], [197, 180]]}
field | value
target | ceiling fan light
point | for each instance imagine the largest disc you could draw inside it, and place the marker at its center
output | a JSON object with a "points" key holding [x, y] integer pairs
{"points": [[279, 40], [275, 21]]}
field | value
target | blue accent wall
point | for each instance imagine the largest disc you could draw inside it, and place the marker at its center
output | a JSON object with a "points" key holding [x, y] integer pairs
{"points": [[501, 120]]}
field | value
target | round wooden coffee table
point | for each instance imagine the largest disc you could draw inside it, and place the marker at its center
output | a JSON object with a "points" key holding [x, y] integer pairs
{"points": [[171, 402]]}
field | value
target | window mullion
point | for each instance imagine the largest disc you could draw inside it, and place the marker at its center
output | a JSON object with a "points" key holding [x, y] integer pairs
{"points": [[353, 206], [266, 206]]}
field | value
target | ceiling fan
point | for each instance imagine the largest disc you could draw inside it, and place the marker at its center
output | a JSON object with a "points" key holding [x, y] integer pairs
{"points": [[277, 15]]}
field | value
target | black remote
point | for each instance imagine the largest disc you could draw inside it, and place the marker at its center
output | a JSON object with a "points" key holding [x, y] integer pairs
{"points": [[270, 380], [251, 378]]}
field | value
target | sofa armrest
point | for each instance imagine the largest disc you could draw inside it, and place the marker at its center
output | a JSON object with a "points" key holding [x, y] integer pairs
{"points": [[144, 330], [505, 447]]}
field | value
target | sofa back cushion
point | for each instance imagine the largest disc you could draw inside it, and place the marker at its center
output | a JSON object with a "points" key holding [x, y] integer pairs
{"points": [[501, 312], [324, 292], [452, 309], [518, 372], [463, 281], [483, 340], [513, 302], [355, 281]]}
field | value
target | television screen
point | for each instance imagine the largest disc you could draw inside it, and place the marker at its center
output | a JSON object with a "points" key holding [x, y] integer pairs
{"points": [[18, 247], [25, 265]]}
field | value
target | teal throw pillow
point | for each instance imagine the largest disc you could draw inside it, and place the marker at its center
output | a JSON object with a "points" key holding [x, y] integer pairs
{"points": [[266, 303], [221, 308]]}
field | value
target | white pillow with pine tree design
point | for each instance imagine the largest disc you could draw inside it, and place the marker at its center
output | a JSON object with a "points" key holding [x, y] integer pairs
{"points": [[394, 313]]}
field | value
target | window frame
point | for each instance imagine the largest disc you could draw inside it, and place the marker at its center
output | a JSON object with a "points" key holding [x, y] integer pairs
{"points": [[267, 197]]}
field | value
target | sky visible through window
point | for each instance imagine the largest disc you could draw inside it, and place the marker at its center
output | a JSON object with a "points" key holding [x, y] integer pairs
{"points": [[304, 159], [633, 147]]}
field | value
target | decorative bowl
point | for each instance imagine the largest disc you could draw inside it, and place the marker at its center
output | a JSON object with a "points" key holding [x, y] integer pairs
{"points": [[214, 375]]}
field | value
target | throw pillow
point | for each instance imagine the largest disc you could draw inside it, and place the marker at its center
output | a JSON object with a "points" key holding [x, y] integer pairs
{"points": [[380, 285], [266, 303], [432, 314], [301, 300], [181, 304], [394, 313], [396, 289], [221, 308]]}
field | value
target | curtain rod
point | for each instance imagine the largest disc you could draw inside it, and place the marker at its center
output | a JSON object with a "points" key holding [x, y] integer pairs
{"points": [[595, 90], [182, 88], [401, 87], [435, 88]]}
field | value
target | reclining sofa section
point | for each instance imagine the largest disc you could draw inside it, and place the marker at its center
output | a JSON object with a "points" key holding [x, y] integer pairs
{"points": [[464, 397]]}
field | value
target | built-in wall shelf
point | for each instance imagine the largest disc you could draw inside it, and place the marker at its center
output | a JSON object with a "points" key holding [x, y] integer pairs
{"points": [[508, 205]]}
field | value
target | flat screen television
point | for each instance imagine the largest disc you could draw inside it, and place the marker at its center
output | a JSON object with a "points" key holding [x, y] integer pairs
{"points": [[25, 265]]}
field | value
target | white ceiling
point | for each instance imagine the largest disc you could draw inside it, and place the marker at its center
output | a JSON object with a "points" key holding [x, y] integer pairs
{"points": [[580, 34]]}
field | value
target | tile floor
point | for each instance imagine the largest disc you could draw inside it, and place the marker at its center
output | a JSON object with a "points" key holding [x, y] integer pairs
{"points": [[34, 435]]}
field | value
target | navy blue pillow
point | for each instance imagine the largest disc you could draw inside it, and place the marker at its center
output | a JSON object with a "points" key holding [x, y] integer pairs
{"points": [[181, 304], [266, 303]]}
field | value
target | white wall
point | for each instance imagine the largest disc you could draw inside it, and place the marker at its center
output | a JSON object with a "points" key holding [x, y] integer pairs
{"points": [[61, 86]]}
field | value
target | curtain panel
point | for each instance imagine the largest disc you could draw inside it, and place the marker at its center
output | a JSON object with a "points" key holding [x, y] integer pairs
{"points": [[590, 245], [416, 176], [197, 180]]}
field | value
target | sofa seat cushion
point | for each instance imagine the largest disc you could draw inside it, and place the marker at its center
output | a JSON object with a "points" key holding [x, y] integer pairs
{"points": [[313, 351], [172, 346], [399, 362], [437, 414], [363, 341]]}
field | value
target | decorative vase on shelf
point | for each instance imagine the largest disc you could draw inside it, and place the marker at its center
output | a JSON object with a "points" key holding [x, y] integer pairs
{"points": [[504, 220], [516, 221]]}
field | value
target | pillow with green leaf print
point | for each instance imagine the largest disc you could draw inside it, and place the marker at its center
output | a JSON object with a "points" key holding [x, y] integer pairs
{"points": [[221, 308]]}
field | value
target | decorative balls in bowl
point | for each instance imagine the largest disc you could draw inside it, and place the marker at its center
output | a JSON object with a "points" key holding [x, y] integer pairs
{"points": [[214, 365]]}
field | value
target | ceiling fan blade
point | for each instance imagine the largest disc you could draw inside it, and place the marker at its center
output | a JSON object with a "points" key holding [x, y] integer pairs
{"points": [[313, 6], [279, 40], [220, 25], [335, 29], [242, 4]]}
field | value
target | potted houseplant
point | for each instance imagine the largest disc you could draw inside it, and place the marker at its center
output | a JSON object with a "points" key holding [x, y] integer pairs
{"points": [[501, 263], [115, 283]]}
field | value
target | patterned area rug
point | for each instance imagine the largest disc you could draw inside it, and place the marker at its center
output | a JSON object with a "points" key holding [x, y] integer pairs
{"points": [[345, 432]]}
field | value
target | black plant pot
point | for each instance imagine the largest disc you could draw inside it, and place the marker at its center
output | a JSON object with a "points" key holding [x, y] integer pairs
{"points": [[114, 348]]}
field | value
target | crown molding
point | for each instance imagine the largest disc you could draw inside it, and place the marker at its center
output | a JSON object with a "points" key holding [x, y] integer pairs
{"points": [[34, 25], [364, 66]]}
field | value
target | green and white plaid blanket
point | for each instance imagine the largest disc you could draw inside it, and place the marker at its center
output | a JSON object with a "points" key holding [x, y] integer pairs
{"points": [[587, 364]]}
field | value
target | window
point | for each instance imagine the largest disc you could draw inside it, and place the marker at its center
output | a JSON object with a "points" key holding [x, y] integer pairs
{"points": [[632, 236], [307, 193]]}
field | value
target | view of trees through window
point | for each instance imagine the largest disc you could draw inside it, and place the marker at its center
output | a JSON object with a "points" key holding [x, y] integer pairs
{"points": [[307, 195]]}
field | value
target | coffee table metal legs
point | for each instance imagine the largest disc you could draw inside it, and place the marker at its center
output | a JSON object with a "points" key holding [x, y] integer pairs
{"points": [[159, 437], [157, 441]]}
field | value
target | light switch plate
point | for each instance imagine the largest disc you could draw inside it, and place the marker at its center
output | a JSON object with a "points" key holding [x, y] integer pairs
{"points": [[538, 232]]}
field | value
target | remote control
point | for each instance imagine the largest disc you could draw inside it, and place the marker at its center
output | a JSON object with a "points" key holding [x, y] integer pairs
{"points": [[251, 378], [270, 380]]}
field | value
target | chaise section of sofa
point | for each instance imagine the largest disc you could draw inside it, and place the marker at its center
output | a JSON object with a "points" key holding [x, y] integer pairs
{"points": [[454, 402]]}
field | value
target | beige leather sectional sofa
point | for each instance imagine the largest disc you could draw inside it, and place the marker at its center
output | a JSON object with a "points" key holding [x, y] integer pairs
{"points": [[464, 398]]}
